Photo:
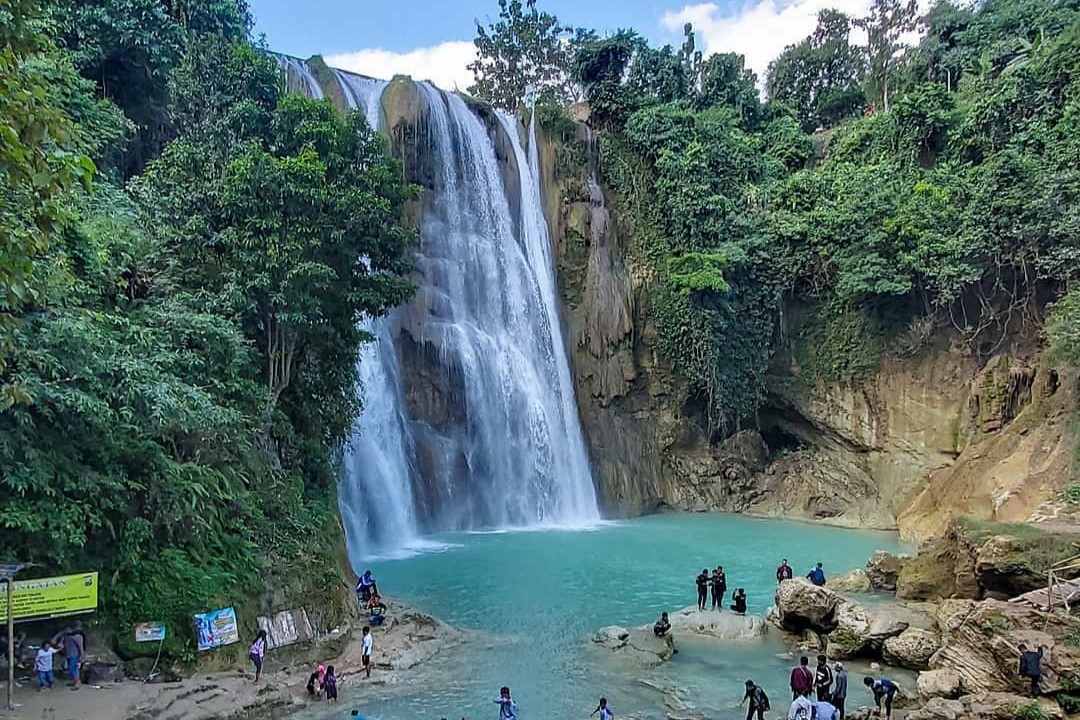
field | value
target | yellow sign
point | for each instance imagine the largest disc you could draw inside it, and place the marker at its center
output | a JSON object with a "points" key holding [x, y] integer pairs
{"points": [[52, 597]]}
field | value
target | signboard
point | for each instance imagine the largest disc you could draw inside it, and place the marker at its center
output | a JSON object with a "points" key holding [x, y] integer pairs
{"points": [[150, 632], [52, 597], [286, 628], [217, 628]]}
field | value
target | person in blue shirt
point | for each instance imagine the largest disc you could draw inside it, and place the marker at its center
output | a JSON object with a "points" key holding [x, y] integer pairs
{"points": [[825, 711], [507, 707], [817, 575], [883, 689], [604, 710]]}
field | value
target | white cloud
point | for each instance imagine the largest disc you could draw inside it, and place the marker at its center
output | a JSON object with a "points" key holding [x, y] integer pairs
{"points": [[444, 64], [759, 31]]}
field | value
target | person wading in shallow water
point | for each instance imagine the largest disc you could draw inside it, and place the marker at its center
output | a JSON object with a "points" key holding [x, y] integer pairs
{"points": [[604, 710], [702, 588], [759, 701], [507, 707], [719, 588]]}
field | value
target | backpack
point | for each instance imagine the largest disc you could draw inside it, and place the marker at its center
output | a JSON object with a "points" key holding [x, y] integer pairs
{"points": [[763, 700]]}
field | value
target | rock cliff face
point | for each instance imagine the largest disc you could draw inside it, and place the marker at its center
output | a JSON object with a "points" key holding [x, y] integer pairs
{"points": [[930, 435]]}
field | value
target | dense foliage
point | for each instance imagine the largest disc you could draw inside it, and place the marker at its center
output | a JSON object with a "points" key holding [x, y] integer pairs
{"points": [[177, 363], [941, 188]]}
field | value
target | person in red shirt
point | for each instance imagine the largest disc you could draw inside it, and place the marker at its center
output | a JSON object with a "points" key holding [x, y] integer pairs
{"points": [[802, 678], [783, 572]]}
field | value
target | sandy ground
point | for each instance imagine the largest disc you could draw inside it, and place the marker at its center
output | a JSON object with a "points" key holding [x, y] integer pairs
{"points": [[407, 639]]}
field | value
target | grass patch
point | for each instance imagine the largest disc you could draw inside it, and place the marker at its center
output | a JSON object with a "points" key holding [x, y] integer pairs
{"points": [[1037, 550], [1028, 711]]}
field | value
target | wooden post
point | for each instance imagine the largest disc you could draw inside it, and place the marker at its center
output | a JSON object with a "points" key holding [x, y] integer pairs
{"points": [[10, 643]]}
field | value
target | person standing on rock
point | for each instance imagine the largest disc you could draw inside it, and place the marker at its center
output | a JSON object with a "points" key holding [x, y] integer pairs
{"points": [[884, 690], [719, 588], [802, 679], [839, 693], [1031, 667], [783, 572], [366, 644], [759, 701], [702, 588], [823, 679], [817, 575]]}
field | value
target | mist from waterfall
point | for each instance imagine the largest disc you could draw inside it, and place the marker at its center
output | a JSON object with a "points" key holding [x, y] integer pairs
{"points": [[486, 316]]}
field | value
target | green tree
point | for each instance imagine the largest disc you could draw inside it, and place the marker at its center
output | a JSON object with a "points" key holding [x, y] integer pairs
{"points": [[522, 56], [819, 77], [885, 25]]}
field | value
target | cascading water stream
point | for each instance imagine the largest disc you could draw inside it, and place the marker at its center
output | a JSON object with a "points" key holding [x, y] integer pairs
{"points": [[484, 327], [298, 76]]}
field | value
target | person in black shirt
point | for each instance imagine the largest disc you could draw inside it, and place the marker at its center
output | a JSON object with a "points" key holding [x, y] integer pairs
{"points": [[759, 701], [1031, 667], [719, 588], [738, 603], [823, 679], [660, 629], [702, 588]]}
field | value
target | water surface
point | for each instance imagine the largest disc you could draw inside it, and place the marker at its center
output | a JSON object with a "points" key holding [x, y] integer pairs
{"points": [[537, 596]]}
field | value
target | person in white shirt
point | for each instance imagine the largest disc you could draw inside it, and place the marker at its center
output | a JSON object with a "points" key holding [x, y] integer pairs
{"points": [[365, 650], [802, 708], [43, 665]]}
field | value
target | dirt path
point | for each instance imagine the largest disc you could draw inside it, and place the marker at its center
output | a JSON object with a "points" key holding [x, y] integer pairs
{"points": [[408, 640]]}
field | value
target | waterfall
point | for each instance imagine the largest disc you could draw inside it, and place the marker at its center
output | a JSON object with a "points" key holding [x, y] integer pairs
{"points": [[480, 343], [298, 76]]}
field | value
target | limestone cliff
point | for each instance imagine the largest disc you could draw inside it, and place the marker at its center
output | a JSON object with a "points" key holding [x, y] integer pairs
{"points": [[930, 434]]}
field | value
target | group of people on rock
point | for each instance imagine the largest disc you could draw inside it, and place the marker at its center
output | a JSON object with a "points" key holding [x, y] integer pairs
{"points": [[367, 596], [820, 694], [717, 583]]}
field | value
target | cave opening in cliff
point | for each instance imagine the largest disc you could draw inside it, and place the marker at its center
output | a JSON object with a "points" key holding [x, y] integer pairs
{"points": [[779, 441]]}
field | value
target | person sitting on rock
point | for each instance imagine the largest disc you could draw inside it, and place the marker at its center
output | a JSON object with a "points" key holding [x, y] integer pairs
{"points": [[660, 629], [1031, 667], [883, 689], [376, 610], [738, 601], [817, 575], [366, 587]]}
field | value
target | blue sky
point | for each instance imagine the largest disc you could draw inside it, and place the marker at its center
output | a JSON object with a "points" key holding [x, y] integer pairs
{"points": [[432, 39]]}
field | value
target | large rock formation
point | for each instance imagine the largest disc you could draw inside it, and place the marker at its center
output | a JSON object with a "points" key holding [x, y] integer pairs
{"points": [[849, 629], [911, 649], [936, 430], [988, 706], [883, 569], [639, 644]]}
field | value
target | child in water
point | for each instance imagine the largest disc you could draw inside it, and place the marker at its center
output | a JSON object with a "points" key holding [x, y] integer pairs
{"points": [[330, 685], [507, 707], [604, 710]]}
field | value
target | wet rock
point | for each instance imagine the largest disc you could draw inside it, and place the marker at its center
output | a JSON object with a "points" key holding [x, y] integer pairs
{"points": [[943, 683], [911, 649], [883, 569], [861, 632], [854, 581], [638, 642], [722, 625]]}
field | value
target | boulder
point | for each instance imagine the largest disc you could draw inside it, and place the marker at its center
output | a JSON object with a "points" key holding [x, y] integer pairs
{"points": [[944, 568], [859, 631], [855, 581], [939, 709], [1002, 569], [801, 605], [883, 569], [640, 643], [911, 649], [1007, 706], [940, 684], [723, 625]]}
